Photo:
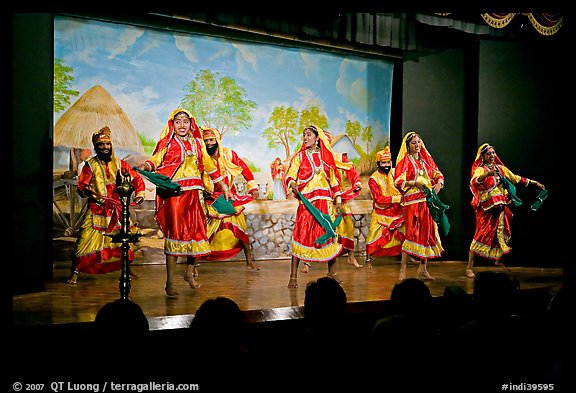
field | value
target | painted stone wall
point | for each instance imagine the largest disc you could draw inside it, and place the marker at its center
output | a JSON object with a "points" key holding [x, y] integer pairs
{"points": [[270, 226]]}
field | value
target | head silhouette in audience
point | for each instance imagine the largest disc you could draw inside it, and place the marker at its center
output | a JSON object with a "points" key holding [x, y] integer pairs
{"points": [[494, 294], [218, 325], [406, 336], [411, 303], [324, 305], [121, 316], [328, 339], [411, 296], [118, 324]]}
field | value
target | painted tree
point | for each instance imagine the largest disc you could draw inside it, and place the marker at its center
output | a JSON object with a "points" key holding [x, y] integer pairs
{"points": [[218, 103], [353, 130], [62, 85], [313, 116], [368, 138], [282, 131]]}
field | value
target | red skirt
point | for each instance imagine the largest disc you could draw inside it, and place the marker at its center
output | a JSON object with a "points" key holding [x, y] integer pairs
{"points": [[182, 220], [306, 230]]}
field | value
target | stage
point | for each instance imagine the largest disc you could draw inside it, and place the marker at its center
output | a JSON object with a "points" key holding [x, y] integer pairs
{"points": [[55, 340], [264, 294]]}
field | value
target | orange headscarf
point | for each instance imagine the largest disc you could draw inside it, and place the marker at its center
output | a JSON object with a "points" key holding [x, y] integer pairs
{"points": [[225, 155]]}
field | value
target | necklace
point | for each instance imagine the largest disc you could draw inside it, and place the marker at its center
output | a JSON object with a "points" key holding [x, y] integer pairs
{"points": [[315, 167], [187, 145], [491, 166], [419, 169]]}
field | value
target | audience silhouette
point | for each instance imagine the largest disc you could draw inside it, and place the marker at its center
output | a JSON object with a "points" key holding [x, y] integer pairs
{"points": [[328, 342], [493, 334], [121, 316], [324, 307], [121, 335], [218, 339], [559, 333], [404, 340]]}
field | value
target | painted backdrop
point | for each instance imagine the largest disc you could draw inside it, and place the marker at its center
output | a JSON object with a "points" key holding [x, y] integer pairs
{"points": [[260, 96]]}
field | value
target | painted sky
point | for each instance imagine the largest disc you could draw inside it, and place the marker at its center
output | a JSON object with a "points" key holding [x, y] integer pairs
{"points": [[146, 70]]}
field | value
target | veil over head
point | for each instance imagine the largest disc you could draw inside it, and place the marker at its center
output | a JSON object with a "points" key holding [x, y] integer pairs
{"points": [[478, 160], [168, 131], [326, 152], [402, 153]]}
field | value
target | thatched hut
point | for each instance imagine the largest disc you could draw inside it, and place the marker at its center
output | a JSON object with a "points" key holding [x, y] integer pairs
{"points": [[93, 110]]}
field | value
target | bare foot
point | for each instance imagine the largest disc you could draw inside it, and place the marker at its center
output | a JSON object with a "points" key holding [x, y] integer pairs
{"points": [[73, 279], [171, 288], [424, 273], [132, 273], [252, 267], [305, 268], [353, 261], [335, 277], [191, 280], [502, 266], [293, 283]]}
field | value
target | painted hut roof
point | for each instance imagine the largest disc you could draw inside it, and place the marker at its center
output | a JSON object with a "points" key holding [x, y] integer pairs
{"points": [[93, 110]]}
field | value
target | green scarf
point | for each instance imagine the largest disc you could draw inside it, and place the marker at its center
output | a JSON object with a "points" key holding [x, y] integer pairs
{"points": [[507, 184], [540, 198], [161, 181], [324, 220], [437, 210], [223, 205]]}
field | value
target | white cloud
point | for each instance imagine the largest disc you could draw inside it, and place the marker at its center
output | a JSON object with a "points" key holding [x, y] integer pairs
{"points": [[350, 87], [245, 55], [123, 41], [185, 43]]}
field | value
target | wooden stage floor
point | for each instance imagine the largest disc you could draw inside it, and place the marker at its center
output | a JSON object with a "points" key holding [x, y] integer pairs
{"points": [[262, 292]]}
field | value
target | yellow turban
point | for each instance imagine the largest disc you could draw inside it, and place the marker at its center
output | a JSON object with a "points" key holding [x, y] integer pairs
{"points": [[384, 155]]}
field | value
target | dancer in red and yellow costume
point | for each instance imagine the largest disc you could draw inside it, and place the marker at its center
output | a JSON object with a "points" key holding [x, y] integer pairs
{"points": [[95, 253], [416, 170], [491, 200], [386, 233], [180, 155], [313, 173], [346, 228], [228, 232]]}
